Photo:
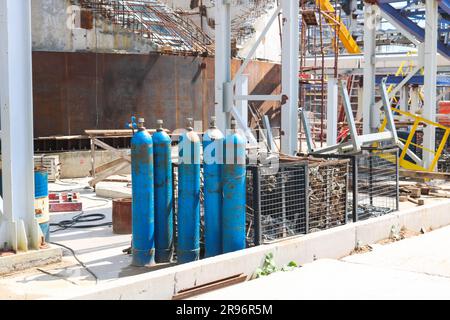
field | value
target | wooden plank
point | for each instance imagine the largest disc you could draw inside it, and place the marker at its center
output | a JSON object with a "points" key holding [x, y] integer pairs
{"points": [[424, 174], [107, 173], [76, 137], [440, 195], [116, 132], [419, 202], [118, 180], [106, 146], [97, 133], [92, 158], [108, 165], [195, 291]]}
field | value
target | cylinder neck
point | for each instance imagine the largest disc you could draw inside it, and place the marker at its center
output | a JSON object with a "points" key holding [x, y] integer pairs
{"points": [[160, 126], [213, 123], [141, 124], [233, 126], [189, 124]]}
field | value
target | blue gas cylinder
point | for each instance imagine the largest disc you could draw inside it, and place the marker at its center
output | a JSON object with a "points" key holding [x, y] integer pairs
{"points": [[188, 241], [162, 157], [143, 240], [234, 193], [212, 175]]}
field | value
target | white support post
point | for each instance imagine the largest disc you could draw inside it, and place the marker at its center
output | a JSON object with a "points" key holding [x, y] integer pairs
{"points": [[222, 61], [430, 66], [353, 22], [19, 227], [359, 112], [290, 69], [414, 94], [404, 98], [242, 105], [369, 112], [332, 112]]}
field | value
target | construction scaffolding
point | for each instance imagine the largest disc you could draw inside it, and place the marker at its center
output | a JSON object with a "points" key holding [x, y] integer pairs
{"points": [[319, 38]]}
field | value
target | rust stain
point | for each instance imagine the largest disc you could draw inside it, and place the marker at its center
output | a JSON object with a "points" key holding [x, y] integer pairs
{"points": [[78, 91]]}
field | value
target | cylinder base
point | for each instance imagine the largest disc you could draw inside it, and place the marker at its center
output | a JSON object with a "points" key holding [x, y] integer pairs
{"points": [[163, 255], [142, 258], [184, 256], [212, 251]]}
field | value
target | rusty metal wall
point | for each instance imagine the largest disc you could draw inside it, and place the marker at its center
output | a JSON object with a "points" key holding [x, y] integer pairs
{"points": [[78, 91]]}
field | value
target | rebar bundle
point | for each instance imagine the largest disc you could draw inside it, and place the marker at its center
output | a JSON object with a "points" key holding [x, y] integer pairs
{"points": [[171, 32]]}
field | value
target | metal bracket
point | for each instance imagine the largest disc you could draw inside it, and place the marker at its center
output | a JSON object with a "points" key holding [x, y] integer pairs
{"points": [[356, 142]]}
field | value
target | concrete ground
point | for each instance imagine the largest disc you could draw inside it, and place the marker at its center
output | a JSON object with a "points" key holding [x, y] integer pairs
{"points": [[413, 268], [98, 248]]}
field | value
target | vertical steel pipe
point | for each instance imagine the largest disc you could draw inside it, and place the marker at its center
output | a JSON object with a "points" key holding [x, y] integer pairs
{"points": [[188, 240], [143, 241], [212, 173], [162, 157], [234, 193]]}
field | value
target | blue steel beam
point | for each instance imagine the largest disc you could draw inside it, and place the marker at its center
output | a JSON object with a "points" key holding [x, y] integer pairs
{"points": [[445, 5], [442, 81], [413, 28]]}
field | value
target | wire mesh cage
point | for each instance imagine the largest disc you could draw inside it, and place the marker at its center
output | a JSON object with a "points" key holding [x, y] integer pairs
{"points": [[373, 182], [377, 187], [297, 198], [328, 183], [276, 202]]}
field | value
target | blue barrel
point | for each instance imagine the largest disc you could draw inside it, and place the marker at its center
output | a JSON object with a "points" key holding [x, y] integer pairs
{"points": [[162, 156], [234, 193], [212, 175], [143, 240], [41, 202], [188, 240], [40, 183]]}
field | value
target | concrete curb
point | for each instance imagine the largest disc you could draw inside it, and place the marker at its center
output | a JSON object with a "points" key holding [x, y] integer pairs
{"points": [[333, 243], [30, 259]]}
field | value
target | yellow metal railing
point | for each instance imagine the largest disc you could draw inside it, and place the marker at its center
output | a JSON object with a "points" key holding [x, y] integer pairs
{"points": [[418, 120]]}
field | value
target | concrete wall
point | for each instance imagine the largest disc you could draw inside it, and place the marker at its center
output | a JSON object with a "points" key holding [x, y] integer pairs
{"points": [[53, 30], [78, 164]]}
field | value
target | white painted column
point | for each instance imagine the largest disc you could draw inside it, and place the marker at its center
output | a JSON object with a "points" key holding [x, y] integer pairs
{"points": [[369, 114], [359, 112], [353, 22], [222, 61], [16, 96], [414, 94], [404, 97], [289, 77], [242, 90], [430, 68], [332, 111]]}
